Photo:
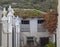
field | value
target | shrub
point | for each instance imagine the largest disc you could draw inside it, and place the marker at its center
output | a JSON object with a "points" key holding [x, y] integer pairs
{"points": [[50, 45]]}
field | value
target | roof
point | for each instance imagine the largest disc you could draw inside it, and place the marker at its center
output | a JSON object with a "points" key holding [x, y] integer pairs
{"points": [[30, 13]]}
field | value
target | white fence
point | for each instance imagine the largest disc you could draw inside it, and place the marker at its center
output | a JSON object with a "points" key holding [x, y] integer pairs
{"points": [[11, 24]]}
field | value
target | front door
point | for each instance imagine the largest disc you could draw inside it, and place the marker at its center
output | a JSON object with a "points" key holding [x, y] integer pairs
{"points": [[44, 41]]}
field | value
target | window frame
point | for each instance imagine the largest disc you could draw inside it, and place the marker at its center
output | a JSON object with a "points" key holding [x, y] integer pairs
{"points": [[25, 22], [40, 21], [40, 24]]}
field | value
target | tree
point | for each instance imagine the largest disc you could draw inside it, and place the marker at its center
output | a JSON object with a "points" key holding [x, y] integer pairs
{"points": [[51, 21]]}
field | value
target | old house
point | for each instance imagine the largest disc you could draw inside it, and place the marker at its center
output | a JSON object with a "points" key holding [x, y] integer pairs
{"points": [[21, 27]]}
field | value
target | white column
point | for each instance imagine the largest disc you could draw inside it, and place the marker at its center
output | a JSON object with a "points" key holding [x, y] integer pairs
{"points": [[4, 36], [4, 22], [4, 12], [10, 17], [33, 27], [18, 36], [58, 29], [53, 37], [17, 24]]}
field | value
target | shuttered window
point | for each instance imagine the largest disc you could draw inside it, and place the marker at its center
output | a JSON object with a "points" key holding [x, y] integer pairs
{"points": [[25, 26]]}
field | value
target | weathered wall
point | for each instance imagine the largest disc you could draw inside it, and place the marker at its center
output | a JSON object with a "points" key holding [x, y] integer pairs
{"points": [[33, 32]]}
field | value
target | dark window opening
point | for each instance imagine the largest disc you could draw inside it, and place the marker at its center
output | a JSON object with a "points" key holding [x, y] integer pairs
{"points": [[24, 21], [29, 37], [40, 21], [43, 41], [30, 41]]}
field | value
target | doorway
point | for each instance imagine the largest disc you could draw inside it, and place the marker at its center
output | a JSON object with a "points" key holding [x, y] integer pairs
{"points": [[44, 41]]}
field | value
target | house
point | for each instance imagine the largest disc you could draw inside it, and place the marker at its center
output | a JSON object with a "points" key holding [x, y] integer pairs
{"points": [[21, 27]]}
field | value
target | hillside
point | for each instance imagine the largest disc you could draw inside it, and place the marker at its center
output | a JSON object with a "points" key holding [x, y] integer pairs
{"points": [[43, 5]]}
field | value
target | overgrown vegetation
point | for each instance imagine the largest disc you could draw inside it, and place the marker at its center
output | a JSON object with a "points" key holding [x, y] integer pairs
{"points": [[43, 5], [31, 13], [51, 44], [51, 21]]}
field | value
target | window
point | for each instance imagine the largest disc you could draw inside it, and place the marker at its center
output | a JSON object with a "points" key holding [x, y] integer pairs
{"points": [[30, 40], [40, 21], [41, 26], [25, 26], [29, 37], [25, 22]]}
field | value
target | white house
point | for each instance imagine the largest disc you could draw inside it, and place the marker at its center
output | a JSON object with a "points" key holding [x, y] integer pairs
{"points": [[18, 31]]}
